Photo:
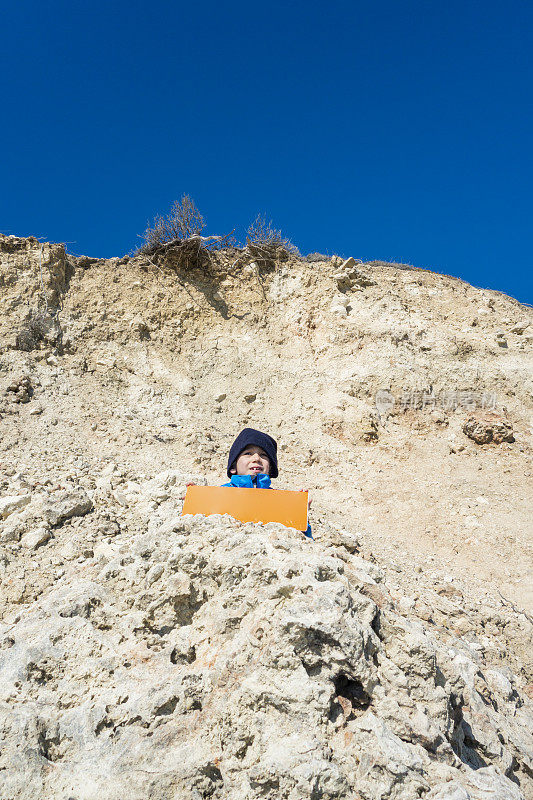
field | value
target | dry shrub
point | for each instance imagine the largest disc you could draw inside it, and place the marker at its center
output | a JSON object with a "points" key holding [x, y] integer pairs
{"points": [[183, 221], [175, 240], [266, 245], [262, 236]]}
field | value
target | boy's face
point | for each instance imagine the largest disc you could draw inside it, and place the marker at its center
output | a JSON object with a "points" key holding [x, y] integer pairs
{"points": [[252, 461]]}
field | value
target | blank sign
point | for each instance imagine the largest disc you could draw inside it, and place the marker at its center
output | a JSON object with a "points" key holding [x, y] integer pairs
{"points": [[249, 505]]}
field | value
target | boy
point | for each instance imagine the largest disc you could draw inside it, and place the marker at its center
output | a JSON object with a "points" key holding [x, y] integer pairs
{"points": [[252, 462]]}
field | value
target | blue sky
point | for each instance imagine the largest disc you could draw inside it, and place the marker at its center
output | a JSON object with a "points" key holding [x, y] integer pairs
{"points": [[383, 130]]}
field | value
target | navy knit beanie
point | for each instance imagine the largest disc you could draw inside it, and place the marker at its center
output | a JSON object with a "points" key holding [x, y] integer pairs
{"points": [[250, 436]]}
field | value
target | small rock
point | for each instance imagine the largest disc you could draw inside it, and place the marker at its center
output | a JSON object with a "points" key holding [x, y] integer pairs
{"points": [[448, 590], [520, 328], [13, 503], [499, 683], [385, 402], [336, 308], [489, 428], [160, 496], [109, 528], [344, 539], [501, 341], [35, 538], [342, 301], [22, 389], [350, 262], [67, 505], [424, 611], [69, 551], [340, 305], [109, 469], [350, 277], [154, 573], [121, 498], [12, 530], [406, 604]]}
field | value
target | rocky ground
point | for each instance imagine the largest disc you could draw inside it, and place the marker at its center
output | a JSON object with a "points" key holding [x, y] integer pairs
{"points": [[147, 654]]}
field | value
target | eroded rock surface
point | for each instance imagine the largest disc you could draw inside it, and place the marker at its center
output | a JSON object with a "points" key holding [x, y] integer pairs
{"points": [[206, 658], [147, 655]]}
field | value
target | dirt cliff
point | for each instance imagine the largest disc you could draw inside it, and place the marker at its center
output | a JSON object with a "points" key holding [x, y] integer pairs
{"points": [[394, 655]]}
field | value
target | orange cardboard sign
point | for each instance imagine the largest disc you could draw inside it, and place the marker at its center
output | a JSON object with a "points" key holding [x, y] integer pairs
{"points": [[249, 505]]}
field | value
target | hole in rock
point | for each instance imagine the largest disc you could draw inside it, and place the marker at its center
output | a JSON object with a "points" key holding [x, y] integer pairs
{"points": [[350, 698], [352, 690]]}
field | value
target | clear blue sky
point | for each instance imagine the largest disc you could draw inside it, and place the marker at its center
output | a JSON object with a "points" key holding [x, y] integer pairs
{"points": [[384, 130]]}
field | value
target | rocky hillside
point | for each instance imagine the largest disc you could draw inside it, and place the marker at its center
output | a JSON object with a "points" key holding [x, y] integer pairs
{"points": [[145, 654]]}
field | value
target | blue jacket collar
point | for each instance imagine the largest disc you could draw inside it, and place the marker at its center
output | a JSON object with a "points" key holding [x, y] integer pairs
{"points": [[246, 482]]}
